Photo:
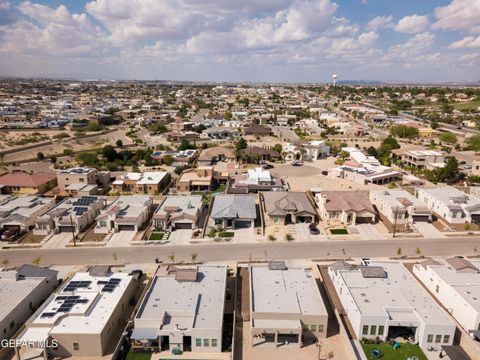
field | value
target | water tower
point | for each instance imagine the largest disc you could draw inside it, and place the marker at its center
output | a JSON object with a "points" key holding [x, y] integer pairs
{"points": [[334, 77]]}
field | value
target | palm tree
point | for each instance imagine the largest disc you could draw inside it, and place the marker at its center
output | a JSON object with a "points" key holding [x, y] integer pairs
{"points": [[194, 256], [399, 251], [171, 257], [5, 263], [36, 261], [418, 251]]}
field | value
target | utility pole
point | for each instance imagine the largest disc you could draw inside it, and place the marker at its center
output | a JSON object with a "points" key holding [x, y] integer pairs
{"points": [[73, 232], [395, 222]]}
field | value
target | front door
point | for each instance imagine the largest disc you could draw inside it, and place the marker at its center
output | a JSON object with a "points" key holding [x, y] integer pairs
{"points": [[164, 343], [187, 343]]}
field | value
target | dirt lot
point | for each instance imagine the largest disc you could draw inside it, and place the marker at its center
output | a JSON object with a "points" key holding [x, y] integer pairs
{"points": [[302, 178]]}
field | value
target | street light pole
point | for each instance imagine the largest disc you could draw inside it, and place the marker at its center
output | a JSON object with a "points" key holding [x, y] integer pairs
{"points": [[73, 232], [395, 222]]}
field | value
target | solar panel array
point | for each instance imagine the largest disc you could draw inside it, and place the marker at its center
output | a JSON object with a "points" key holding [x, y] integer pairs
{"points": [[74, 285], [67, 303], [85, 201], [79, 211], [110, 285]]}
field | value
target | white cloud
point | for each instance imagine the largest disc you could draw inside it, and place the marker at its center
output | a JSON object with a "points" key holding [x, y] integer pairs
{"points": [[380, 22], [412, 24], [4, 5], [466, 42], [459, 15], [414, 48], [53, 32]]}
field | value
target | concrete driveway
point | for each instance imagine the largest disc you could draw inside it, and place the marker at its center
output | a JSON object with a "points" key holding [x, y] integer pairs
{"points": [[244, 235], [58, 241], [303, 233], [180, 237], [121, 239], [428, 230], [369, 232]]}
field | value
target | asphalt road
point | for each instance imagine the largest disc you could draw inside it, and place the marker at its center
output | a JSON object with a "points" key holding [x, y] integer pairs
{"points": [[243, 252]]}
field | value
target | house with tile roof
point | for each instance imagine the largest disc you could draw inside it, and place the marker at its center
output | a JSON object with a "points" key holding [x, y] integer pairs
{"points": [[282, 207], [345, 207], [234, 211], [25, 183]]}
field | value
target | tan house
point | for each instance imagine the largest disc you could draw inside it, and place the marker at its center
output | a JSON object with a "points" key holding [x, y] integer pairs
{"points": [[25, 183], [286, 308], [215, 154], [200, 179], [142, 183], [287, 207], [86, 316], [80, 181], [345, 207]]}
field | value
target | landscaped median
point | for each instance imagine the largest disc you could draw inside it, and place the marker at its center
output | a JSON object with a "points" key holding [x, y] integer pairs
{"points": [[385, 350]]}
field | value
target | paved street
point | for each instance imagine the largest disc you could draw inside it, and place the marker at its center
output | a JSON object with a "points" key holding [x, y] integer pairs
{"points": [[231, 251]]}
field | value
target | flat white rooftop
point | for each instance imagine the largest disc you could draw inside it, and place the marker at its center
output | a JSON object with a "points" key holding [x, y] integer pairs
{"points": [[173, 304], [466, 284], [22, 207], [289, 291], [397, 291], [83, 306], [14, 290]]}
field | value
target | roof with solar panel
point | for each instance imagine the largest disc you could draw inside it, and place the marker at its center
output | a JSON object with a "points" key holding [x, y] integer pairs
{"points": [[76, 207], [84, 304]]}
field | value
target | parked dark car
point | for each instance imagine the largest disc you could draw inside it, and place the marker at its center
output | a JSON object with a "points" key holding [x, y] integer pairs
{"points": [[10, 233], [313, 229]]}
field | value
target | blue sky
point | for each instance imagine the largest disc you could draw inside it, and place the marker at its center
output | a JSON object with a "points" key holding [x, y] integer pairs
{"points": [[248, 40]]}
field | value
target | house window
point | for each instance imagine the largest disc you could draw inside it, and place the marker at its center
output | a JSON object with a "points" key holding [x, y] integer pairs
{"points": [[438, 339], [381, 329], [206, 342], [321, 328], [365, 330], [373, 330], [214, 342], [437, 288], [429, 338], [446, 339], [76, 346], [198, 342], [313, 328]]}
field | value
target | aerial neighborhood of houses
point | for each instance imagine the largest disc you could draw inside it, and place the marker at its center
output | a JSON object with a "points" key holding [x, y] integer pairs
{"points": [[321, 222]]}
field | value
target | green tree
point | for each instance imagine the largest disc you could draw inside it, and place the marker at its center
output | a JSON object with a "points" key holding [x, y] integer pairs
{"points": [[109, 153], [119, 143], [168, 160], [448, 137], [473, 142], [53, 159], [40, 156], [404, 131]]}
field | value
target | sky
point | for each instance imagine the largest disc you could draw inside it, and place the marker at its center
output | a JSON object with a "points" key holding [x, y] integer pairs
{"points": [[242, 40]]}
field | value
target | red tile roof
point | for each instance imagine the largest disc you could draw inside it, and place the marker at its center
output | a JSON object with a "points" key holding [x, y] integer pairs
{"points": [[24, 179]]}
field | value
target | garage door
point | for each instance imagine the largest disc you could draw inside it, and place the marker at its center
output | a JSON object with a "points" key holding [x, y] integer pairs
{"points": [[183, 226], [420, 218], [65, 229], [239, 224], [363, 220], [126, 227], [6, 226]]}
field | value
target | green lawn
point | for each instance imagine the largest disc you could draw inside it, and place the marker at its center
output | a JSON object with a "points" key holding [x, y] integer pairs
{"points": [[405, 351], [138, 356], [339, 231], [226, 234], [156, 236]]}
